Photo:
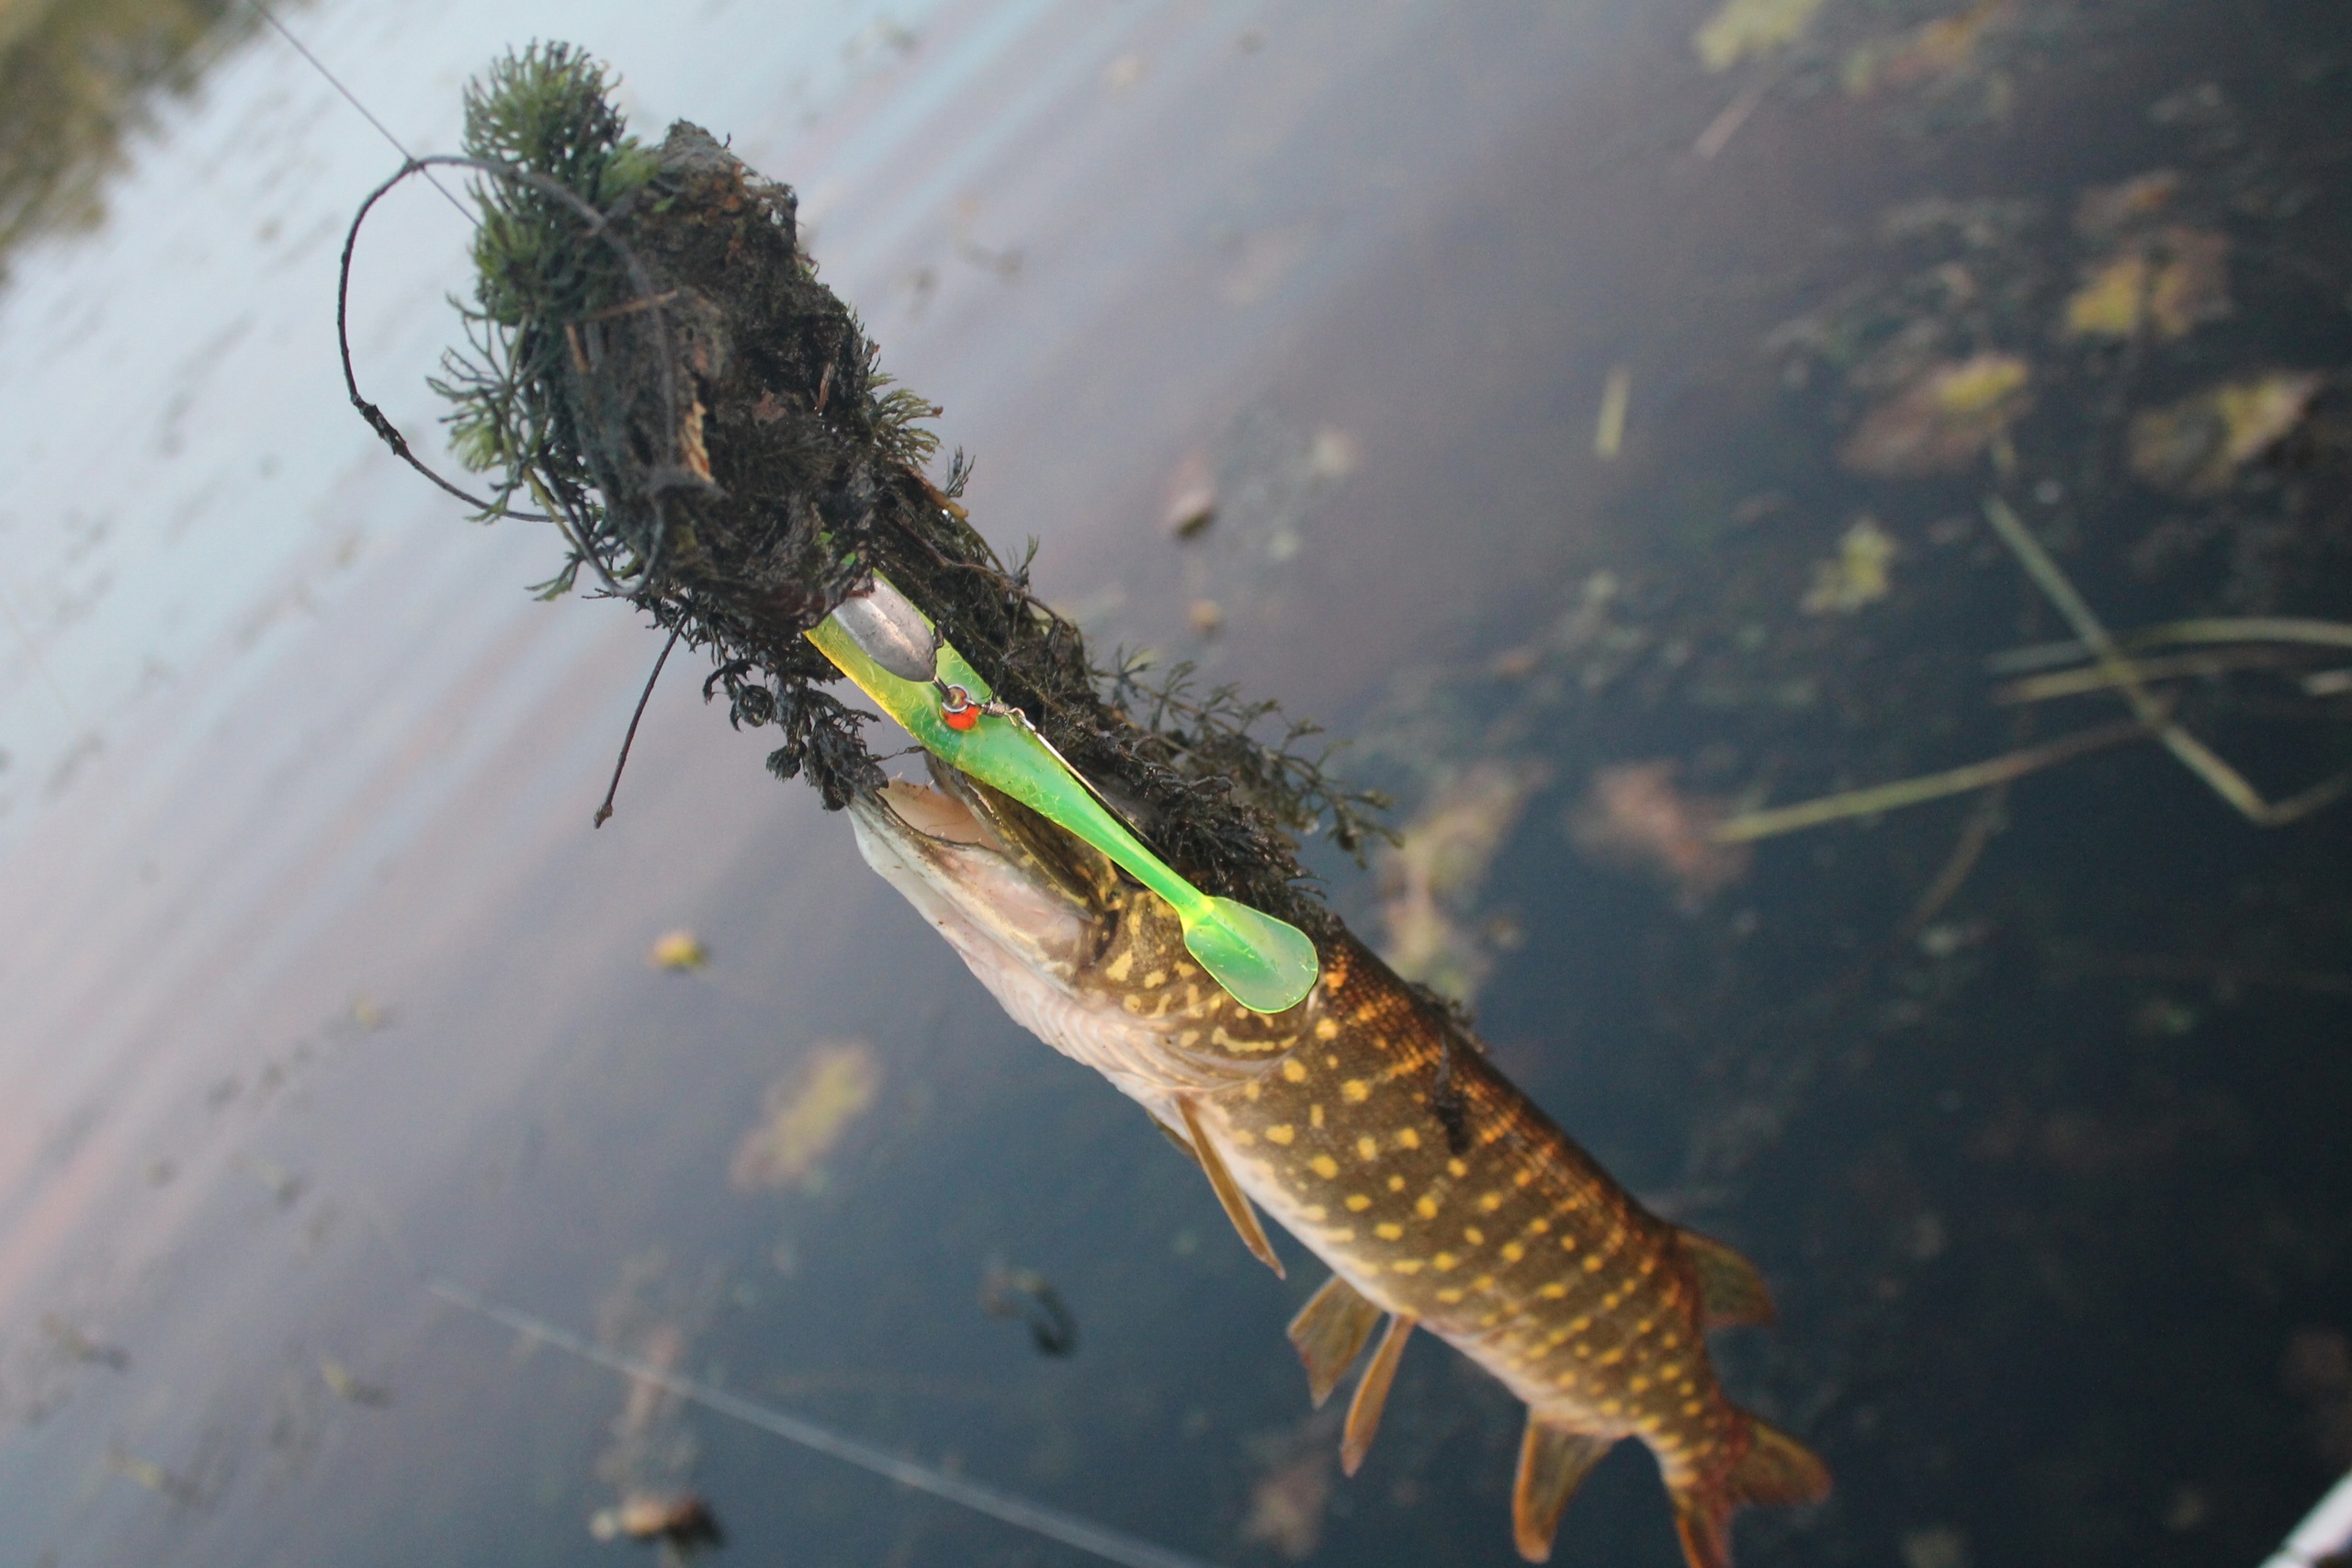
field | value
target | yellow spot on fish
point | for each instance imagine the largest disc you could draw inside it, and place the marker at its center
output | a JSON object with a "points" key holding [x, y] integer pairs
{"points": [[1445, 1262], [1566, 1380], [1343, 1233], [1643, 1327], [1615, 1355], [1367, 1147], [1671, 1340], [1156, 979], [1327, 1028], [1119, 967], [1513, 1252], [1357, 1203], [1324, 1166], [1407, 1265], [1315, 1115], [1395, 1184], [1482, 1282], [1609, 1302], [1539, 1225], [1552, 1291], [1408, 1139], [1474, 1236], [1638, 1384], [1691, 1387], [1186, 970], [1693, 1406], [1355, 1091], [1580, 1325], [1524, 1176], [1456, 1169], [1251, 1090], [1669, 1371], [1425, 1206], [1449, 1296], [1331, 1061], [1595, 1263], [1388, 1230], [1281, 1134], [1295, 1070], [1489, 1201], [1314, 1212], [1609, 1407]]}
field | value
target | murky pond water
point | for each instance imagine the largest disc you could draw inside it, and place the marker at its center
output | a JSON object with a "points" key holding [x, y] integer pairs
{"points": [[1601, 405]]}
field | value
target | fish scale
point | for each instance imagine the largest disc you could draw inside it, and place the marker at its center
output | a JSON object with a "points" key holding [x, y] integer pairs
{"points": [[1518, 1248], [1366, 1122]]}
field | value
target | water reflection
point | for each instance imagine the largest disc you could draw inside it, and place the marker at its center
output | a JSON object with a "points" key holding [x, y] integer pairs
{"points": [[75, 80], [310, 967]]}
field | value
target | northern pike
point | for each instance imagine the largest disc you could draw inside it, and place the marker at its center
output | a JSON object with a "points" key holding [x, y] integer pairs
{"points": [[1369, 1125]]}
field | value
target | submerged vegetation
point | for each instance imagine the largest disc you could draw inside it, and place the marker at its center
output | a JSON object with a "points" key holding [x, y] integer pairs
{"points": [[653, 364]]}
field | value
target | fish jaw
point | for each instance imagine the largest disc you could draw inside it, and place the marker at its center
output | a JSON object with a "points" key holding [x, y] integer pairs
{"points": [[1061, 942]]}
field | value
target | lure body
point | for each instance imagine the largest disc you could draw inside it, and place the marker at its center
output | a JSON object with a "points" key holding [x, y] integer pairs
{"points": [[1267, 965]]}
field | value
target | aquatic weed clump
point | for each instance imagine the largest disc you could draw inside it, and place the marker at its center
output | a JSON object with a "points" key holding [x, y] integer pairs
{"points": [[653, 364]]}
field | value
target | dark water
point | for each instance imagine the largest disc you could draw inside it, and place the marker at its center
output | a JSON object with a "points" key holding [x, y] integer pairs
{"points": [[311, 969]]}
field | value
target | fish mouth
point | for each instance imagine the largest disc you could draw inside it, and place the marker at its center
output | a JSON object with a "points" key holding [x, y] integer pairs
{"points": [[1002, 884]]}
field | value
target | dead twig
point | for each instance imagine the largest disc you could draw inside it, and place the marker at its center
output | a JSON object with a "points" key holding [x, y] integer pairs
{"points": [[1749, 826], [2193, 754], [2174, 667]]}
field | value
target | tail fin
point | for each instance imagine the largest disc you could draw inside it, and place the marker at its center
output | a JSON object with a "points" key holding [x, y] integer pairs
{"points": [[1775, 1471]]}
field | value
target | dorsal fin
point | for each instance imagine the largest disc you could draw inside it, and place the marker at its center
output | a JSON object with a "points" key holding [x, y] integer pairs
{"points": [[1552, 1462], [1329, 1332], [1229, 1191], [1372, 1394], [1730, 1290]]}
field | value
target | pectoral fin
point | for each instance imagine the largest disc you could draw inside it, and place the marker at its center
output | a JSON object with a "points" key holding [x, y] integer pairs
{"points": [[1730, 1290], [1371, 1393], [1176, 1140], [1552, 1462], [1229, 1191], [1329, 1332]]}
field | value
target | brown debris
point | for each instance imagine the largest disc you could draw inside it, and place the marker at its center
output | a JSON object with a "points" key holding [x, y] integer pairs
{"points": [[1635, 818]]}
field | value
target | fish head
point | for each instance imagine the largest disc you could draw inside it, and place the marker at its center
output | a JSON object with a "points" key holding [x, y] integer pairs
{"points": [[1078, 953]]}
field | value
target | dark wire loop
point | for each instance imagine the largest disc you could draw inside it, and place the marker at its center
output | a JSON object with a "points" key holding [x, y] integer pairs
{"points": [[671, 475]]}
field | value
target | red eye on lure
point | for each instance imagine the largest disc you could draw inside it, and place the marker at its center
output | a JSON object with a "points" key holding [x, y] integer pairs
{"points": [[959, 711]]}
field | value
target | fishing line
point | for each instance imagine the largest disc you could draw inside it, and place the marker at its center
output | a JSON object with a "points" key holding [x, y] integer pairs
{"points": [[1097, 1541], [353, 99]]}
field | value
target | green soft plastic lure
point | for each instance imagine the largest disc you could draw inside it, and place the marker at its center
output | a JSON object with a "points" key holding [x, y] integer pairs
{"points": [[891, 649]]}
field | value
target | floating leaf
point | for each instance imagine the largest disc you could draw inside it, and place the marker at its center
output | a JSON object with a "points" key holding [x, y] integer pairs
{"points": [[1942, 421], [2195, 446], [1857, 575], [2167, 284], [1751, 29], [680, 952], [805, 1116]]}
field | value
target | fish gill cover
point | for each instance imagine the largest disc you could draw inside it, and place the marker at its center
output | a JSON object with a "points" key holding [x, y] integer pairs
{"points": [[653, 364]]}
